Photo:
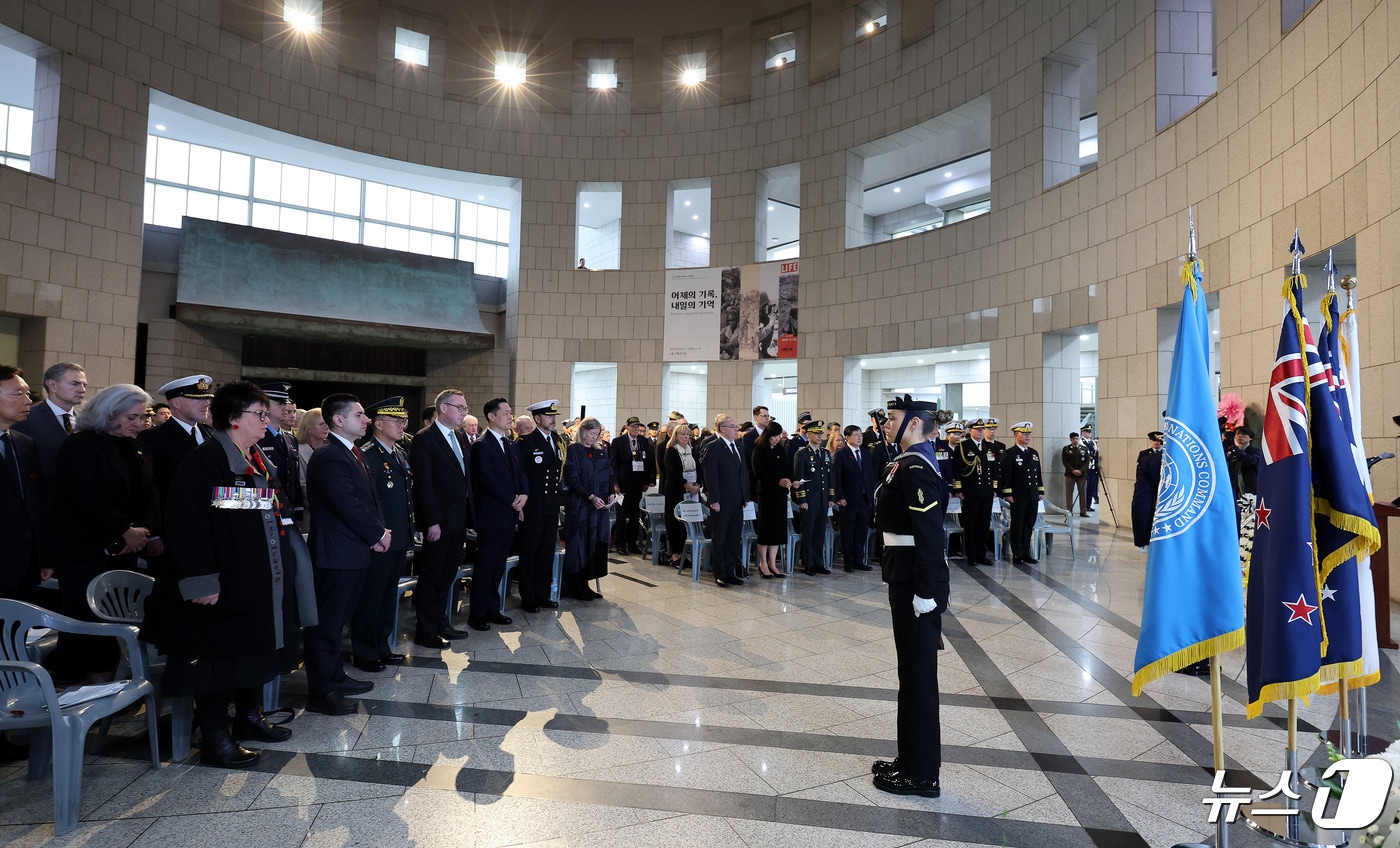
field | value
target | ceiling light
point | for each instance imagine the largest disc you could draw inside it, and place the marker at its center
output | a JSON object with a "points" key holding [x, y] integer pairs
{"points": [[587, 206], [862, 363], [161, 128], [1084, 337], [687, 203], [983, 356], [704, 235], [870, 26], [778, 62], [955, 350], [770, 208], [948, 174], [693, 76], [918, 362], [897, 189], [481, 197], [694, 217], [510, 67]]}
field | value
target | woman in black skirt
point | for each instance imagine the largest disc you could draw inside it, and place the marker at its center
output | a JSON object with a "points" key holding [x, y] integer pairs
{"points": [[231, 596], [771, 475], [677, 483]]}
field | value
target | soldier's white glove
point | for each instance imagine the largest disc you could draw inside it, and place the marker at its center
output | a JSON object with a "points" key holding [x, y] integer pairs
{"points": [[923, 605]]}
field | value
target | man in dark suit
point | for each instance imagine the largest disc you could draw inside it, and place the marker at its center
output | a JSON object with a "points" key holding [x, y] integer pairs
{"points": [[854, 473], [187, 428], [21, 491], [372, 633], [726, 490], [633, 459], [441, 509], [543, 451], [347, 527], [280, 446], [498, 479], [52, 421]]}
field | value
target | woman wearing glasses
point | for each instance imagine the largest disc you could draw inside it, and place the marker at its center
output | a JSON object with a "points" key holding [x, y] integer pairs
{"points": [[231, 595]]}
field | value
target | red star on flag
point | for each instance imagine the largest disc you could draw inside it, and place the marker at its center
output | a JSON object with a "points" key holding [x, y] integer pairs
{"points": [[1261, 514], [1301, 609]]}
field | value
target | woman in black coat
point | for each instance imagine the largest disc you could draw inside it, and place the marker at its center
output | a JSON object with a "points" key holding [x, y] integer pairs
{"points": [[678, 482], [1149, 475], [232, 594], [772, 479], [105, 512], [589, 485]]}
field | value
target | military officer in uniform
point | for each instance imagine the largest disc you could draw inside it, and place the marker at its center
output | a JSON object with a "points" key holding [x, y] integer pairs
{"points": [[372, 636], [813, 492], [943, 448], [1024, 488], [280, 446], [187, 428], [909, 511], [544, 451], [974, 480], [990, 434]]}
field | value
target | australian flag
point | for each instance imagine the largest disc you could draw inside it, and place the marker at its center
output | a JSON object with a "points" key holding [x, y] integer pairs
{"points": [[1283, 624]]}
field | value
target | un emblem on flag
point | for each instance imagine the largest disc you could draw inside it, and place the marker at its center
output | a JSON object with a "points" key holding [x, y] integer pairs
{"points": [[1188, 481]]}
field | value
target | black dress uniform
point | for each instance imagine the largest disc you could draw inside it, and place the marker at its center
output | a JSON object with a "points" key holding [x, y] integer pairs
{"points": [[372, 635], [813, 465], [1149, 476], [544, 455], [909, 510], [1022, 484], [281, 449], [171, 442], [974, 479]]}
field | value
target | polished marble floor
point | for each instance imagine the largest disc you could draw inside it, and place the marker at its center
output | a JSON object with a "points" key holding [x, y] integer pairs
{"points": [[675, 713]]}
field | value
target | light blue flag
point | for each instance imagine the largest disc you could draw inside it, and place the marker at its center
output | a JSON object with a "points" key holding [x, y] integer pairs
{"points": [[1193, 603]]}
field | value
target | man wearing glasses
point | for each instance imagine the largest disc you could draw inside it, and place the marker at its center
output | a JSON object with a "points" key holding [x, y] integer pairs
{"points": [[726, 489], [441, 492]]}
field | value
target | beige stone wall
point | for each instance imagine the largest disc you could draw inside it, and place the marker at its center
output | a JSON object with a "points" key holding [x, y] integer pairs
{"points": [[1301, 132]]}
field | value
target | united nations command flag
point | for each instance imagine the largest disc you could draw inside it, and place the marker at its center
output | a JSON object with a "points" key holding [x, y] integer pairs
{"points": [[1193, 604]]}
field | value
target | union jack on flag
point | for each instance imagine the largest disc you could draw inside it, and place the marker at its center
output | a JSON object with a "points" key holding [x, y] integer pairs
{"points": [[1286, 430]]}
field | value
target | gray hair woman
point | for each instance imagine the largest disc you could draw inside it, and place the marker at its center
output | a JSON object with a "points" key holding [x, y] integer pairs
{"points": [[588, 484], [106, 504]]}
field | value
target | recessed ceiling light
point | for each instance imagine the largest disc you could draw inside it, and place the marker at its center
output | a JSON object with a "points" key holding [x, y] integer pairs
{"points": [[588, 206], [862, 363], [161, 128], [694, 217], [770, 208], [1084, 337], [704, 235], [919, 361], [481, 197], [983, 356], [687, 203], [897, 189], [947, 173]]}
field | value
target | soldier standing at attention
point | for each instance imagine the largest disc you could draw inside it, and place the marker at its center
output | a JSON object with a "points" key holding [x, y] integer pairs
{"points": [[909, 511], [811, 475], [372, 636], [974, 480], [544, 451], [1023, 487], [1076, 462]]}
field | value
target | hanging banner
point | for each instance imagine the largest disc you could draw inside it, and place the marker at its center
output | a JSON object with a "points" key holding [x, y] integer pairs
{"points": [[743, 312]]}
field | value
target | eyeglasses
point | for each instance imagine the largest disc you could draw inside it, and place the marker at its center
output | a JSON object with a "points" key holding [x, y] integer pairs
{"points": [[460, 407], [263, 415]]}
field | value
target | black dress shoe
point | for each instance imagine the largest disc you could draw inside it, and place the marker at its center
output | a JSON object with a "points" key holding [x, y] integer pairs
{"points": [[1030, 560], [735, 581], [885, 766], [453, 633], [436, 643], [721, 582], [255, 726], [823, 570], [899, 784], [850, 568], [530, 608], [478, 624], [864, 567], [1016, 560], [223, 752], [497, 618], [332, 703], [369, 667], [393, 659], [550, 604], [984, 561], [351, 686]]}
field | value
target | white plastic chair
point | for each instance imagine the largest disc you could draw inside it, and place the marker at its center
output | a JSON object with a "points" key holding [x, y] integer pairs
{"points": [[692, 515], [749, 538], [1051, 520], [28, 700]]}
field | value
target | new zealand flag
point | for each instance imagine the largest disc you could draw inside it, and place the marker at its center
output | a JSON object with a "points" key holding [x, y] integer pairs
{"points": [[1283, 627]]}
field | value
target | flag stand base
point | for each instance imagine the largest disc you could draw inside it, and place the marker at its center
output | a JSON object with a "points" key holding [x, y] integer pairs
{"points": [[1294, 830], [1360, 745]]}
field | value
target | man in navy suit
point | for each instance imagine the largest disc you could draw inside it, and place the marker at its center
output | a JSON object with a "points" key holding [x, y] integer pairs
{"points": [[442, 512], [21, 491], [855, 494], [186, 429], [346, 527], [498, 479], [726, 490], [52, 421]]}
